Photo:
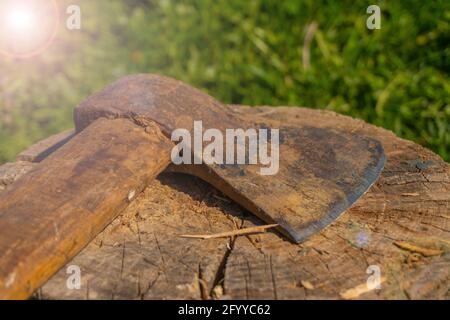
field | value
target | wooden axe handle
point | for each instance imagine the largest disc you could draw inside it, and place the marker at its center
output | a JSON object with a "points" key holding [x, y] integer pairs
{"points": [[53, 212]]}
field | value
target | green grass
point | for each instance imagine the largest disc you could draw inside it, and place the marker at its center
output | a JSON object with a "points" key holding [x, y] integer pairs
{"points": [[246, 52]]}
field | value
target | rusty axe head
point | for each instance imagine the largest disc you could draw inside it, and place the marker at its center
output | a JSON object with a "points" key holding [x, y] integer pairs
{"points": [[322, 172]]}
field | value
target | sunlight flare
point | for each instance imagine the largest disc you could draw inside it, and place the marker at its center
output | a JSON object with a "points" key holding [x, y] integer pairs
{"points": [[21, 19]]}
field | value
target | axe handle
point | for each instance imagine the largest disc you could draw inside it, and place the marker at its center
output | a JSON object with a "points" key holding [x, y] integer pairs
{"points": [[53, 212]]}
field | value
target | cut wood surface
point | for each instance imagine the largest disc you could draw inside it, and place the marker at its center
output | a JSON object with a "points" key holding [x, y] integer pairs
{"points": [[400, 227]]}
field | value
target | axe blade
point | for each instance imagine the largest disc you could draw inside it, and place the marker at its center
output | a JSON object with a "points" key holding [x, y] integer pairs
{"points": [[322, 173]]}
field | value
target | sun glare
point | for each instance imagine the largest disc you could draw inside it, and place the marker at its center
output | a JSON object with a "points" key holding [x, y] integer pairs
{"points": [[20, 20], [27, 27]]}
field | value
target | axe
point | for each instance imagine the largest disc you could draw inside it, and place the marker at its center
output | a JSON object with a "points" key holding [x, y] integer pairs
{"points": [[123, 142]]}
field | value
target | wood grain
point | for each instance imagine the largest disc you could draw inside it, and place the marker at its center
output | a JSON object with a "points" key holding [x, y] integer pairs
{"points": [[336, 260], [55, 210], [42, 149]]}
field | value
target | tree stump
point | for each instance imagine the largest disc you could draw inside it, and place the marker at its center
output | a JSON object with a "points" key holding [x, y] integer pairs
{"points": [[398, 233]]}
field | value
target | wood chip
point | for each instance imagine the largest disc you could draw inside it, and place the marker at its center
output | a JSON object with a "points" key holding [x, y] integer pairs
{"points": [[240, 232], [307, 285], [426, 252], [357, 291]]}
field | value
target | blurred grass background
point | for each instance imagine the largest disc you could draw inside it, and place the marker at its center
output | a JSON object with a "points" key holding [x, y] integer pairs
{"points": [[245, 52]]}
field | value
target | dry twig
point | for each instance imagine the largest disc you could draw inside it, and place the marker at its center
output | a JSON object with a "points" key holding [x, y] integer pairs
{"points": [[240, 232]]}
